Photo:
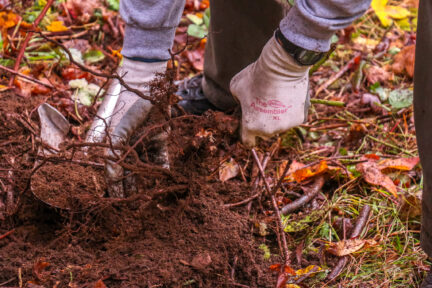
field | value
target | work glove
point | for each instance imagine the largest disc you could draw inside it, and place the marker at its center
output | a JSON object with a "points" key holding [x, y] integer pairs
{"points": [[273, 94], [130, 112]]}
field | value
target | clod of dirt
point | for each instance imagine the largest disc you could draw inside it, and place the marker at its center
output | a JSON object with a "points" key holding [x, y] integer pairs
{"points": [[65, 185]]}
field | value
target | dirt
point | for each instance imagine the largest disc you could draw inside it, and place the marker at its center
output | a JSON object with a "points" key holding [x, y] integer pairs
{"points": [[61, 184], [174, 232]]}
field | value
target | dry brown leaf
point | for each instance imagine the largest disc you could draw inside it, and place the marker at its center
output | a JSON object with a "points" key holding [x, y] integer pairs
{"points": [[404, 164], [346, 247], [83, 10], [228, 170], [377, 74], [404, 61], [196, 58], [373, 175]]}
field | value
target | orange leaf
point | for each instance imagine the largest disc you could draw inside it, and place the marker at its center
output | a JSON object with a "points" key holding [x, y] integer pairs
{"points": [[100, 284], [308, 172], [8, 20], [404, 164], [373, 175], [404, 61]]}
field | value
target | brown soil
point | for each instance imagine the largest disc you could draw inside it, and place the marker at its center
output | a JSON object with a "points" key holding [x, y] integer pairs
{"points": [[174, 233], [61, 184]]}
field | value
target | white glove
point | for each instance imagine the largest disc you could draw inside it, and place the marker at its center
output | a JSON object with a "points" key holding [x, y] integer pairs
{"points": [[273, 94], [130, 112]]}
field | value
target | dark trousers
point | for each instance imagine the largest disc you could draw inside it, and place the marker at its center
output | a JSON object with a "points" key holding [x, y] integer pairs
{"points": [[239, 29], [423, 115]]}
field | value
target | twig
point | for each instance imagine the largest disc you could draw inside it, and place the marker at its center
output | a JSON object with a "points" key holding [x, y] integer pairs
{"points": [[275, 207], [7, 234], [245, 201], [26, 77], [390, 145], [328, 102], [28, 37], [358, 228], [336, 76], [312, 193], [99, 74]]}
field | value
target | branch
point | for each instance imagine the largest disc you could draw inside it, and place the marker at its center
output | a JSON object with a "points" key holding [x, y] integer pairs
{"points": [[275, 207], [358, 228], [99, 74], [26, 77]]}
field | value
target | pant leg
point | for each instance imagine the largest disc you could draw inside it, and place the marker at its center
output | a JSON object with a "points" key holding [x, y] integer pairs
{"points": [[150, 27], [239, 29], [423, 115]]}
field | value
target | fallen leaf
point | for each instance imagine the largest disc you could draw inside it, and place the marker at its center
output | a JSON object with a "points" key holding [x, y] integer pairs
{"points": [[301, 174], [39, 269], [401, 98], [404, 61], [8, 20], [376, 74], [386, 13], [56, 26], [404, 164], [373, 175], [309, 270], [100, 284], [346, 247], [201, 261], [196, 58], [228, 170]]}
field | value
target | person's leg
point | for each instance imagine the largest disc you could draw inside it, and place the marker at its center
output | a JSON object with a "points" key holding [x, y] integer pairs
{"points": [[423, 115], [239, 29], [150, 28]]}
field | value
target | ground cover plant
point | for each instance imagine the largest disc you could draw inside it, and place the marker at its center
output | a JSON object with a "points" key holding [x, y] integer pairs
{"points": [[332, 203]]}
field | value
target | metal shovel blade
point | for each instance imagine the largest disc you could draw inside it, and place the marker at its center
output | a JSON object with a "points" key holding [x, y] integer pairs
{"points": [[54, 128]]}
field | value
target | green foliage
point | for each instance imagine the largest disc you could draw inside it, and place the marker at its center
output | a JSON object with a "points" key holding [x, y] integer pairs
{"points": [[401, 98], [93, 56]]}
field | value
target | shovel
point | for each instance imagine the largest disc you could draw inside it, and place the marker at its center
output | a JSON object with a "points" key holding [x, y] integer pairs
{"points": [[54, 128]]}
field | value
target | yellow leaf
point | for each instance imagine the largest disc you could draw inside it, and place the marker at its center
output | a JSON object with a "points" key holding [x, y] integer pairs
{"points": [[397, 12], [3, 88], [292, 286], [56, 26], [386, 13], [311, 269]]}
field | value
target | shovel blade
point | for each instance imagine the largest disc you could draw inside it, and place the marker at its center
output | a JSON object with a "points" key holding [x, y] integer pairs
{"points": [[54, 127]]}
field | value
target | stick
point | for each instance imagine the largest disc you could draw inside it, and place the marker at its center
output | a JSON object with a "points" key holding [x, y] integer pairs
{"points": [[26, 77], [328, 102], [358, 228], [99, 74], [296, 204], [7, 234], [336, 76], [275, 207], [28, 37]]}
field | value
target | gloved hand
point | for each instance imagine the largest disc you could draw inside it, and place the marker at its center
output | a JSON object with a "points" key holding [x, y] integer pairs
{"points": [[130, 112], [273, 93]]}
